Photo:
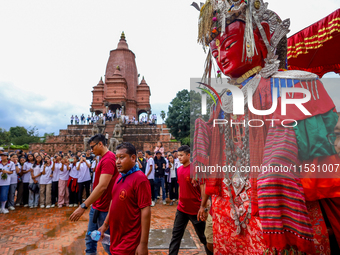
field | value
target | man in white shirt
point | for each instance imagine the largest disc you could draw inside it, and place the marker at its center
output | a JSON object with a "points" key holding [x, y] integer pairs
{"points": [[150, 173]]}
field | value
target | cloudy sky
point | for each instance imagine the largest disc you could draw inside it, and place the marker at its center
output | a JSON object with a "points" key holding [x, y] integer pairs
{"points": [[54, 51]]}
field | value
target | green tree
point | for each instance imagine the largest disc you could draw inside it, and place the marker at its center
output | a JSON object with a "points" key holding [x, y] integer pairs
{"points": [[163, 115], [5, 138], [184, 109], [21, 140], [17, 131], [179, 115], [21, 135]]}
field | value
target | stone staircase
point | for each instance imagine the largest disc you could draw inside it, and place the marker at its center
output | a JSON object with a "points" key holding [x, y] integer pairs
{"points": [[70, 139], [143, 137]]}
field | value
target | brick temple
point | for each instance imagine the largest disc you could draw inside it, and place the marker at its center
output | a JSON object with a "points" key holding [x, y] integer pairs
{"points": [[119, 90]]}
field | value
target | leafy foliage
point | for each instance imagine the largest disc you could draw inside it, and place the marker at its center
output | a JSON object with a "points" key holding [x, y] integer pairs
{"points": [[17, 131], [163, 115], [4, 137], [184, 109], [179, 115], [19, 136]]}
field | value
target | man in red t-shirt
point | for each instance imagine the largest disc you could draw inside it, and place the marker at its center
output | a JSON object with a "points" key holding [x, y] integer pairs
{"points": [[188, 205], [106, 173], [130, 214]]}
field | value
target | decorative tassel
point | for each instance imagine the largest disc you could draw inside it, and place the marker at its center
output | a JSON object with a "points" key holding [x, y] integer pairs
{"points": [[205, 22], [207, 68], [249, 34], [223, 24]]}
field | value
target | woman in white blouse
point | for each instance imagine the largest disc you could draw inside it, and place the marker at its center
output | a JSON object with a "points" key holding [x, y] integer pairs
{"points": [[46, 183], [20, 187], [34, 196], [173, 189], [6, 169], [14, 182], [84, 177], [26, 176]]}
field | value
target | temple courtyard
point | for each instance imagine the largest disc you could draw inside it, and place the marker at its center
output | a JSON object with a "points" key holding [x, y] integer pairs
{"points": [[49, 231]]}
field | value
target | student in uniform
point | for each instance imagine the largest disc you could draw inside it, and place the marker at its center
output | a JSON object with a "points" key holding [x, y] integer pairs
{"points": [[34, 196], [84, 177], [6, 169], [14, 183], [72, 183], [150, 174], [46, 183], [27, 176], [20, 188], [173, 185], [55, 180], [63, 195], [130, 213]]}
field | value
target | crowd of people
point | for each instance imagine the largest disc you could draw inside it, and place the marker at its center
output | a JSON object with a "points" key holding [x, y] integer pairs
{"points": [[39, 179], [65, 179], [111, 116], [161, 170]]}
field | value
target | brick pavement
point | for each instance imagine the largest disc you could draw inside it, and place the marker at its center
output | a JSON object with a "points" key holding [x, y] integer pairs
{"points": [[48, 231]]}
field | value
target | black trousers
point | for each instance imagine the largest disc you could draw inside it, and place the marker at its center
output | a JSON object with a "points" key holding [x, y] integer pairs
{"points": [[173, 186], [180, 224], [83, 185], [73, 195], [166, 184], [25, 193], [152, 185], [54, 196]]}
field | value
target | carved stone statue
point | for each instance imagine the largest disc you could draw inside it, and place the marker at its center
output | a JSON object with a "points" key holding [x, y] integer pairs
{"points": [[95, 129], [113, 144], [86, 139], [117, 132]]}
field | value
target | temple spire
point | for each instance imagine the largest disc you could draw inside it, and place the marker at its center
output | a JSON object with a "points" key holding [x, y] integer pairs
{"points": [[122, 42], [122, 37]]}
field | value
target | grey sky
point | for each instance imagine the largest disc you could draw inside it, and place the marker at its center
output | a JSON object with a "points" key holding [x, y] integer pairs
{"points": [[53, 52]]}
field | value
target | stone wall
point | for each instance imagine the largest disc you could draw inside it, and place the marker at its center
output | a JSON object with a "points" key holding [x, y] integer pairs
{"points": [[52, 148], [143, 137], [70, 139]]}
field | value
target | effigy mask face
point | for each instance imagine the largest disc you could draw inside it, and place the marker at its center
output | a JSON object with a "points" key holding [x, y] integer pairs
{"points": [[227, 50]]}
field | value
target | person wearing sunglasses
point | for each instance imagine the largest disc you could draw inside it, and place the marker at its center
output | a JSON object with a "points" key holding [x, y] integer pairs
{"points": [[106, 173]]}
